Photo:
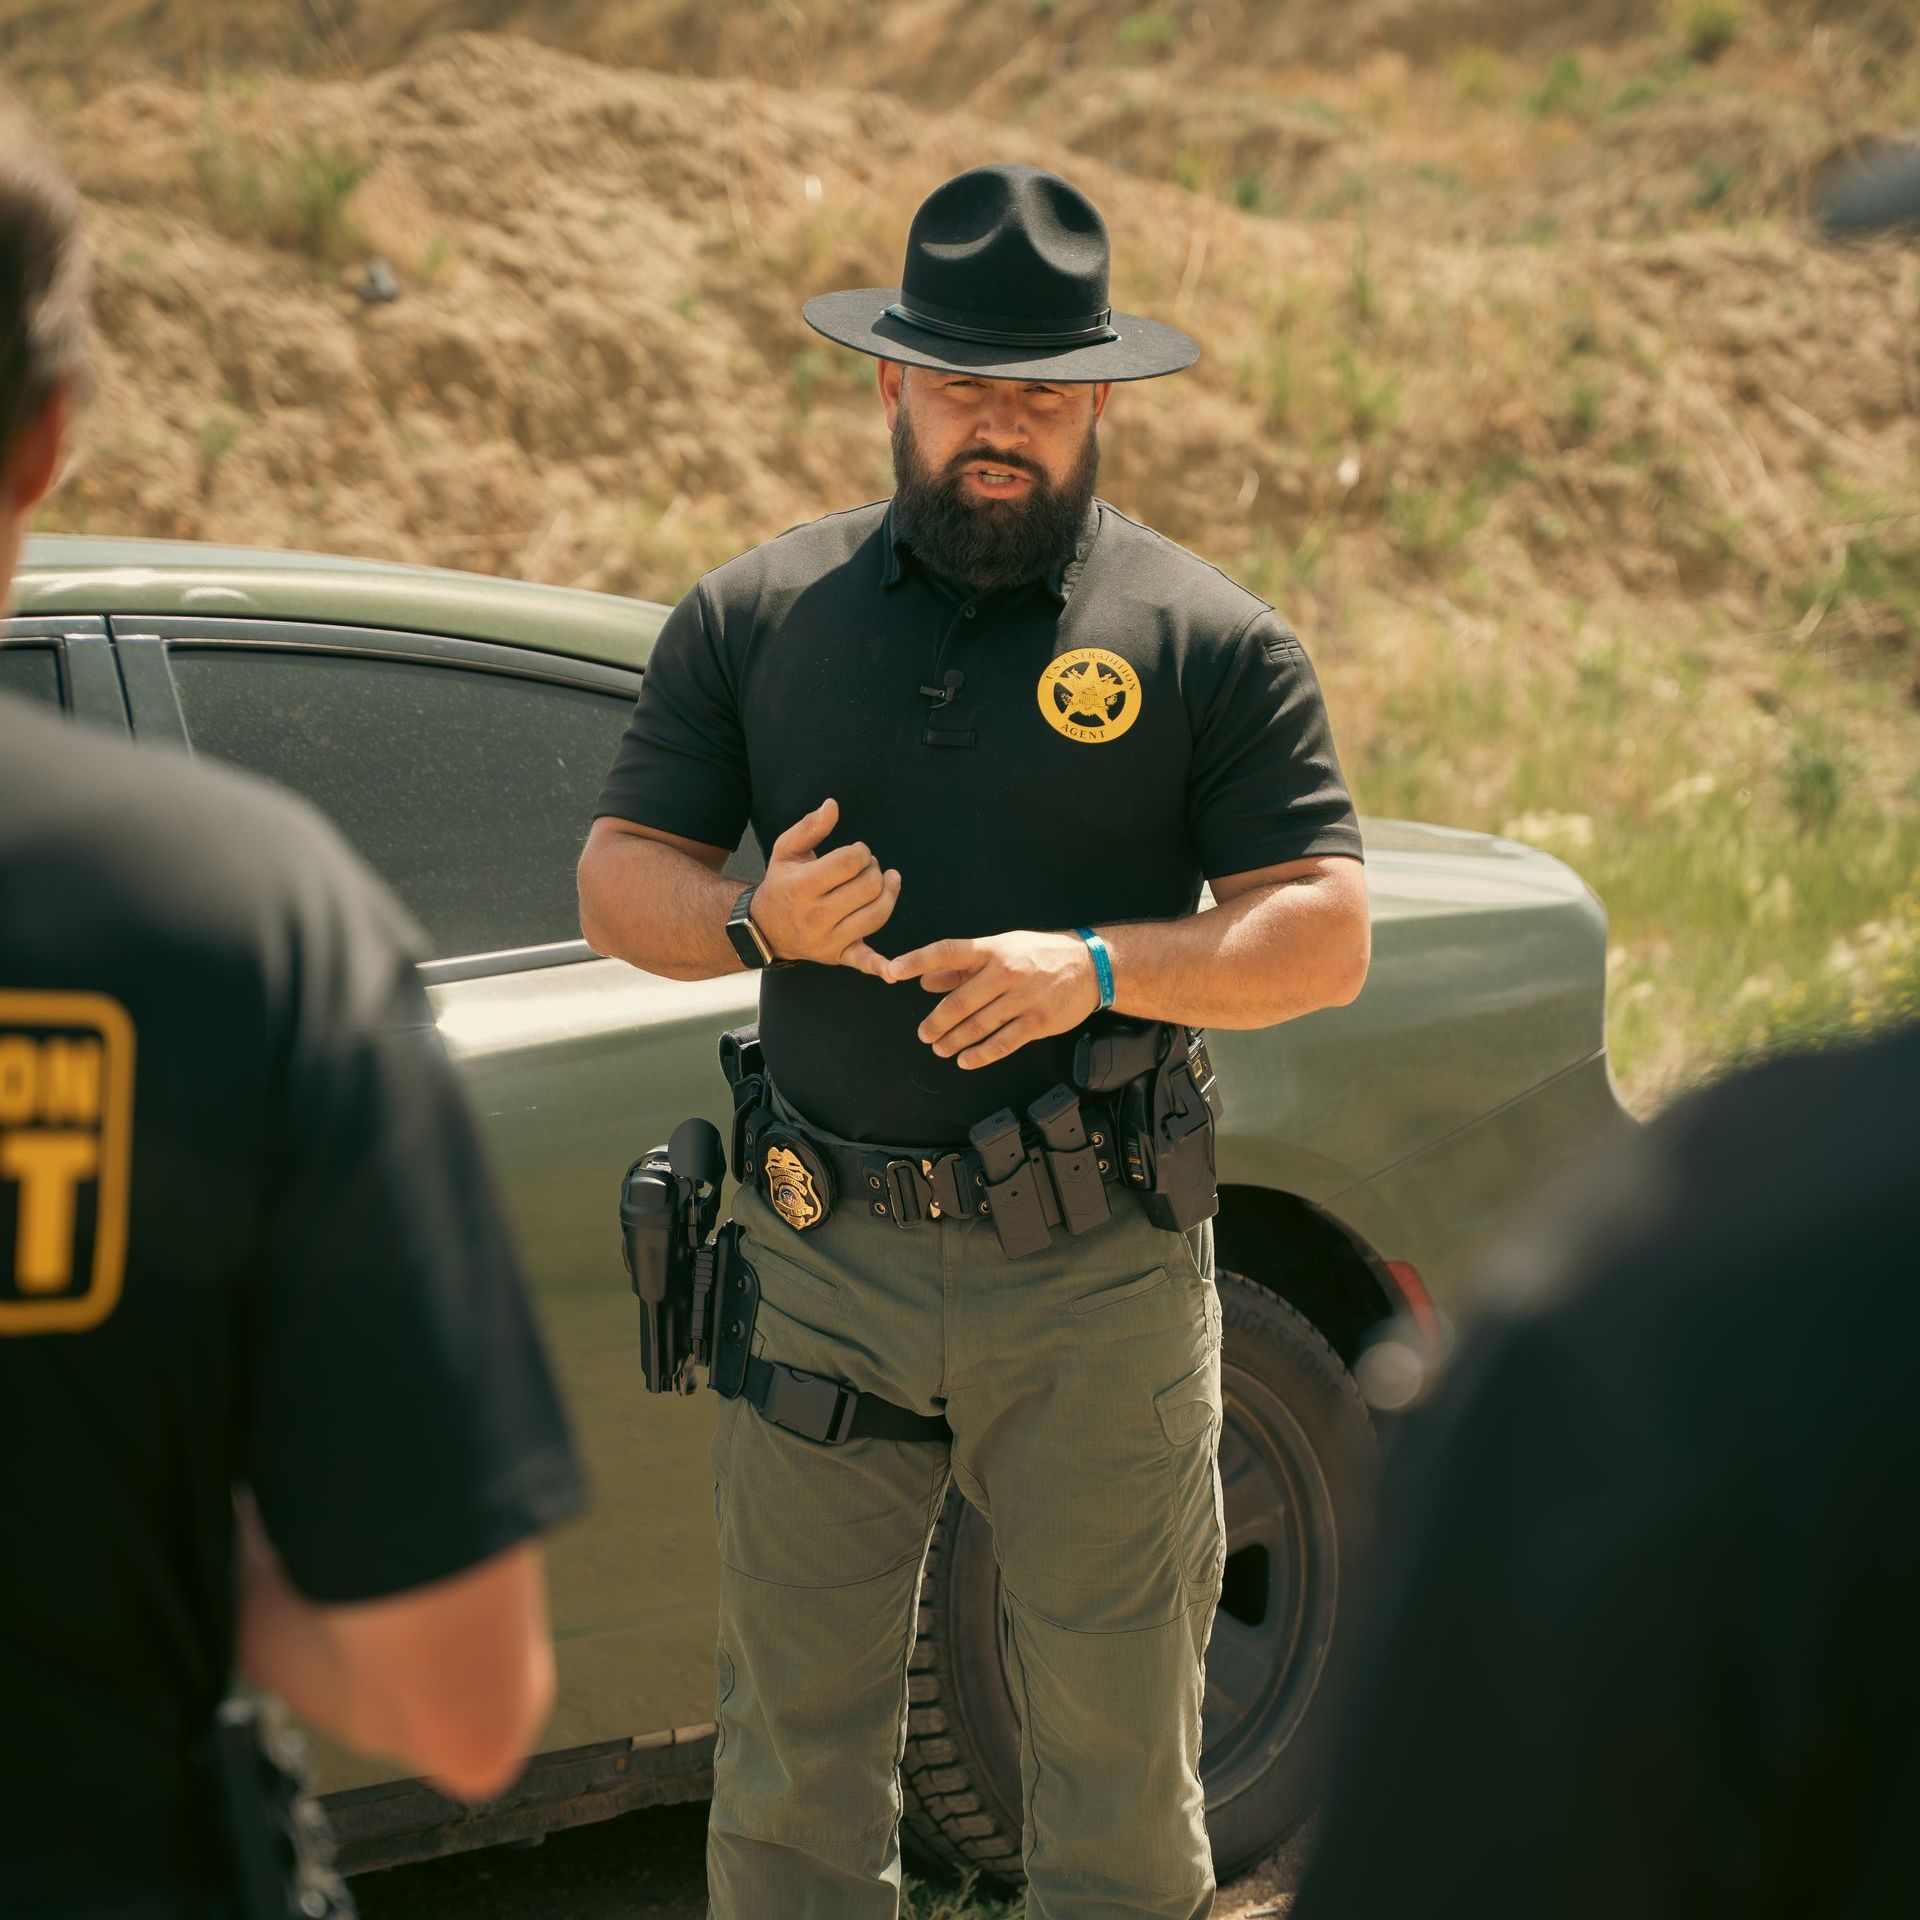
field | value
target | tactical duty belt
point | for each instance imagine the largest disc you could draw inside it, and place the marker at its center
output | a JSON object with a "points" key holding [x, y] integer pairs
{"points": [[1053, 1172]]}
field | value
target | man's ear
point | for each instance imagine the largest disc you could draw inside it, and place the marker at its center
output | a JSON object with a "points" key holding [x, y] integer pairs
{"points": [[34, 464], [892, 376], [1100, 396]]}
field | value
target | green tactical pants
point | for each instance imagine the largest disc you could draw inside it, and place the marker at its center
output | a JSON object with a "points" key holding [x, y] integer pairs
{"points": [[1082, 1386]]}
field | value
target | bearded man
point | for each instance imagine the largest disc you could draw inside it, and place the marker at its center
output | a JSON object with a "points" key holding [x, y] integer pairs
{"points": [[994, 735]]}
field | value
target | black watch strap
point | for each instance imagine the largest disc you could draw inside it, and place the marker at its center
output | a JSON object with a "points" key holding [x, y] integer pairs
{"points": [[748, 941]]}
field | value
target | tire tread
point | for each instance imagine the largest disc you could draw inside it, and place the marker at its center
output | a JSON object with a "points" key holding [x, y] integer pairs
{"points": [[950, 1815]]}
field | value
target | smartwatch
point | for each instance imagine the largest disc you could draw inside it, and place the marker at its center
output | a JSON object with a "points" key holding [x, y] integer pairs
{"points": [[748, 941]]}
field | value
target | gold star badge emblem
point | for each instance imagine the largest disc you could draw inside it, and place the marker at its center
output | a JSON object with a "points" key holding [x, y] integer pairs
{"points": [[1090, 695]]}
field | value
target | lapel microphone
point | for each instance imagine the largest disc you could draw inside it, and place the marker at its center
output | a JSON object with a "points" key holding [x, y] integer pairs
{"points": [[944, 695], [947, 692]]}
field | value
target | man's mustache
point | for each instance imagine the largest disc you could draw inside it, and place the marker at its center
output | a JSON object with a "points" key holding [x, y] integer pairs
{"points": [[1018, 462]]}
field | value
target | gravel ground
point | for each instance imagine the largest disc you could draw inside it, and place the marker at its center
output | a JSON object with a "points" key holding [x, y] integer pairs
{"points": [[647, 1866]]}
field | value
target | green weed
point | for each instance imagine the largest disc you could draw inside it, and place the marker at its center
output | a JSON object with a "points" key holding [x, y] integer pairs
{"points": [[1443, 180], [1870, 584], [1363, 290], [1636, 93], [1430, 524], [1579, 321], [1280, 385], [1480, 76], [1369, 395], [1315, 108], [1706, 28], [291, 191], [1580, 411], [1716, 181], [922, 1901], [1815, 783], [1148, 31], [1282, 571], [1564, 90], [216, 436]]}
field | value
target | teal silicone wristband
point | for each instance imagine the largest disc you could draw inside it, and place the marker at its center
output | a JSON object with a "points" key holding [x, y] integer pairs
{"points": [[1102, 963]]}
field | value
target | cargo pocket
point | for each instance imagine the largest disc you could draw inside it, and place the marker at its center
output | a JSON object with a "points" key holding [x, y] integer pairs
{"points": [[1104, 1297], [1190, 1418], [777, 1253]]}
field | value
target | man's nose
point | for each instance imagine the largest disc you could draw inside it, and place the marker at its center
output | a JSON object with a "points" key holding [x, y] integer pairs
{"points": [[1004, 417]]}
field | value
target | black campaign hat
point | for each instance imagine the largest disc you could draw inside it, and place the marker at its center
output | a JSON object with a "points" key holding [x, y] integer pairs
{"points": [[1006, 277]]}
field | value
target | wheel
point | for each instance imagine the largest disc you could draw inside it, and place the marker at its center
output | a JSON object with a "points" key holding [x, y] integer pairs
{"points": [[1297, 1463]]}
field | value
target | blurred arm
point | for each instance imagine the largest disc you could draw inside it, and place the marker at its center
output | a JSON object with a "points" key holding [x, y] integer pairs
{"points": [[452, 1680]]}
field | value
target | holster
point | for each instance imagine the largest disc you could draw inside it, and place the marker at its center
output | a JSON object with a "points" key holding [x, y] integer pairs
{"points": [[744, 1065]]}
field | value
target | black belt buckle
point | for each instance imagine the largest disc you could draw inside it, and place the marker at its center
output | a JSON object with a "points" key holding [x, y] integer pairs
{"points": [[910, 1194], [809, 1404], [923, 1190]]}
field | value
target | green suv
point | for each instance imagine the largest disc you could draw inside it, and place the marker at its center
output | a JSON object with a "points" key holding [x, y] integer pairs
{"points": [[457, 729]]}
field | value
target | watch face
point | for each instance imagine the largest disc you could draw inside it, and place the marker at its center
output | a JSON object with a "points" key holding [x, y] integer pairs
{"points": [[747, 939]]}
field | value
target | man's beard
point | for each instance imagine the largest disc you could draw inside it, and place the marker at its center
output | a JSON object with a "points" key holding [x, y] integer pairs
{"points": [[984, 544]]}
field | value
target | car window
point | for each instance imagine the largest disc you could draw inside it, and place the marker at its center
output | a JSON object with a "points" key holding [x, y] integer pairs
{"points": [[470, 791], [32, 671]]}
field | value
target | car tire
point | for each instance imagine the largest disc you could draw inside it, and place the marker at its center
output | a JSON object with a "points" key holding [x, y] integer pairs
{"points": [[1299, 1463]]}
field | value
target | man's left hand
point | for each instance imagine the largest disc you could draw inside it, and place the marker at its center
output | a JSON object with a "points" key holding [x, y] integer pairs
{"points": [[1001, 992]]}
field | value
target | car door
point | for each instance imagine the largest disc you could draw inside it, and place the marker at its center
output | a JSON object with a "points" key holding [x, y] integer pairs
{"points": [[65, 663], [465, 773]]}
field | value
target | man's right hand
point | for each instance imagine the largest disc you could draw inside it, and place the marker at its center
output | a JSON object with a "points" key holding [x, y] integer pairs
{"points": [[824, 907]]}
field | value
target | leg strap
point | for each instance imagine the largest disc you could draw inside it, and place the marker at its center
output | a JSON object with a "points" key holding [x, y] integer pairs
{"points": [[825, 1411]]}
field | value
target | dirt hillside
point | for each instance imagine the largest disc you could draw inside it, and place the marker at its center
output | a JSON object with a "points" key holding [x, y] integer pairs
{"points": [[1534, 404], [599, 331]]}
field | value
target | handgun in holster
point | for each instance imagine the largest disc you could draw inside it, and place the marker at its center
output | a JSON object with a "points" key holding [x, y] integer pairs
{"points": [[279, 1846], [697, 1295], [1167, 1107]]}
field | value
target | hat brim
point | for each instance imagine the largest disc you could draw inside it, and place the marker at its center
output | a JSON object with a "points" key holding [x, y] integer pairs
{"points": [[1142, 349]]}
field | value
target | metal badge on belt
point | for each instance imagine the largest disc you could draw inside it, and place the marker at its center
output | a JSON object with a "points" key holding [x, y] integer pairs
{"points": [[799, 1183]]}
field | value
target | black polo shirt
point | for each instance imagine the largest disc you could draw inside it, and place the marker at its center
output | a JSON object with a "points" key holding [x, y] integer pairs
{"points": [[1116, 732], [247, 1238]]}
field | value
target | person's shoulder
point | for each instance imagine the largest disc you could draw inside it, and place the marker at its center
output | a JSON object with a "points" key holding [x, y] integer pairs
{"points": [[796, 559], [1149, 564], [179, 850], [1723, 1213]]}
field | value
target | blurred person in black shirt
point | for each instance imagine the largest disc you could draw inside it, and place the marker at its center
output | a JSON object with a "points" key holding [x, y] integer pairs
{"points": [[271, 1393], [1641, 1636]]}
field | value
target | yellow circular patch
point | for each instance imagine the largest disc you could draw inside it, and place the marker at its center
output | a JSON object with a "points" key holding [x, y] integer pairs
{"points": [[1090, 695]]}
